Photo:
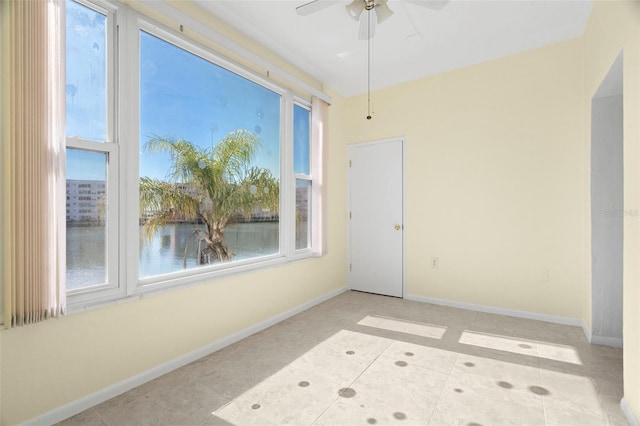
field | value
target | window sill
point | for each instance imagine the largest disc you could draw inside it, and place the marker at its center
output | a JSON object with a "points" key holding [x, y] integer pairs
{"points": [[180, 280]]}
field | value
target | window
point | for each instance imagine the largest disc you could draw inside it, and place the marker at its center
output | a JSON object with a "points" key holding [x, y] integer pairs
{"points": [[91, 153], [181, 165], [302, 167], [209, 163]]}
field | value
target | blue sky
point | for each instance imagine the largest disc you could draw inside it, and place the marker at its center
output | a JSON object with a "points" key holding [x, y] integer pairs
{"points": [[181, 96], [184, 96], [86, 93]]}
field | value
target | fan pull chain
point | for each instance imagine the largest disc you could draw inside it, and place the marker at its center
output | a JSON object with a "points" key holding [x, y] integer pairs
{"points": [[369, 65]]}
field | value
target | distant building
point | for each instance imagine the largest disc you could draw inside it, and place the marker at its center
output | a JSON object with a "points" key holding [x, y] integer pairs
{"points": [[302, 202], [85, 201]]}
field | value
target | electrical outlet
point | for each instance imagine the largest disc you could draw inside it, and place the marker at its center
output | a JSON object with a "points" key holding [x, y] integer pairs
{"points": [[544, 275], [435, 263]]}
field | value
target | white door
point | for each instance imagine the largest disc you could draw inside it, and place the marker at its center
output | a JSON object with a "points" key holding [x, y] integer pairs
{"points": [[376, 217]]}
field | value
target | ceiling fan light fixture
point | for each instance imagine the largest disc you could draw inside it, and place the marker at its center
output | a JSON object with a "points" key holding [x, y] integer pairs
{"points": [[383, 12], [355, 8]]}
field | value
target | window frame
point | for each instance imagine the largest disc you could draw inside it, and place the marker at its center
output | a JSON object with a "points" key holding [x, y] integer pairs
{"points": [[112, 288], [205, 273], [309, 250], [125, 69]]}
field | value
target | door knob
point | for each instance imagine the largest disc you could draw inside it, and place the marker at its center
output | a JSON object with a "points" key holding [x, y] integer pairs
{"points": [[397, 227]]}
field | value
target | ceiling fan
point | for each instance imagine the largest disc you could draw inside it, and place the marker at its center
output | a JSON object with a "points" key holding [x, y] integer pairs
{"points": [[354, 9]]}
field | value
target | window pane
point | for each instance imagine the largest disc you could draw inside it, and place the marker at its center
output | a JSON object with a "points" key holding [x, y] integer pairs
{"points": [[86, 219], [301, 119], [86, 73], [303, 213], [209, 164]]}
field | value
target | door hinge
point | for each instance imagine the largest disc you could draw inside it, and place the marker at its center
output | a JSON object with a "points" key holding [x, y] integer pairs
{"points": [[349, 215], [350, 267], [349, 163]]}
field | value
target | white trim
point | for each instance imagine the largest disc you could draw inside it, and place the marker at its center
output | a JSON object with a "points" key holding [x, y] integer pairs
{"points": [[587, 332], [102, 6], [171, 283], [4, 115], [633, 420], [79, 405], [166, 9], [111, 149], [207, 273], [287, 183], [501, 311], [404, 217], [128, 133], [318, 148], [313, 153], [616, 342]]}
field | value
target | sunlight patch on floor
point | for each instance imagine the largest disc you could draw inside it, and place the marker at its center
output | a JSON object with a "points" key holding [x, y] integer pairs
{"points": [[348, 377], [538, 349], [403, 326], [312, 381]]}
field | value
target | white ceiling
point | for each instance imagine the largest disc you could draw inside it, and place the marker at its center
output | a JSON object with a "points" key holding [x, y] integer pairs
{"points": [[415, 42]]}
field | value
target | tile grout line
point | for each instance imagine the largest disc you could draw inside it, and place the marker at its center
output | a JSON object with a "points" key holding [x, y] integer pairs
{"points": [[444, 386], [539, 371], [353, 381]]}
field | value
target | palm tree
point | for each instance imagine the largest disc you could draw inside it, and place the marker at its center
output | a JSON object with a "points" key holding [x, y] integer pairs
{"points": [[214, 185]]}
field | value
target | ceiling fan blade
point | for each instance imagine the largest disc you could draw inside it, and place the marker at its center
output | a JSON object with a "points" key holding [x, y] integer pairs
{"points": [[382, 12], [355, 8], [367, 26], [314, 6], [430, 4]]}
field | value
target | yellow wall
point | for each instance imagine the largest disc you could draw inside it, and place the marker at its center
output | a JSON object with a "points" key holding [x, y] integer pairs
{"points": [[497, 186], [615, 26]]}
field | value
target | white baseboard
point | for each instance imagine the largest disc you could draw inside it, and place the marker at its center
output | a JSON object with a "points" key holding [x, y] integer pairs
{"points": [[596, 340], [587, 332], [633, 420], [502, 311], [616, 342], [112, 391]]}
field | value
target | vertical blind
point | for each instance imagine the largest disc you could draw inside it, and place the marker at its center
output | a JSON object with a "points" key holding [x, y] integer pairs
{"points": [[33, 160]]}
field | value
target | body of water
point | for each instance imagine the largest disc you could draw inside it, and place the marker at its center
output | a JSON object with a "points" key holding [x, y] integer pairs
{"points": [[86, 256]]}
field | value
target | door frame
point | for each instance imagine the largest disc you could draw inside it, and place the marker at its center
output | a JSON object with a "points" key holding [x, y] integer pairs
{"points": [[609, 86], [350, 148]]}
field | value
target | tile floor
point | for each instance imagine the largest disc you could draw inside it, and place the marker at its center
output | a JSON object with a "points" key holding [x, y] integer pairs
{"points": [[362, 359]]}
